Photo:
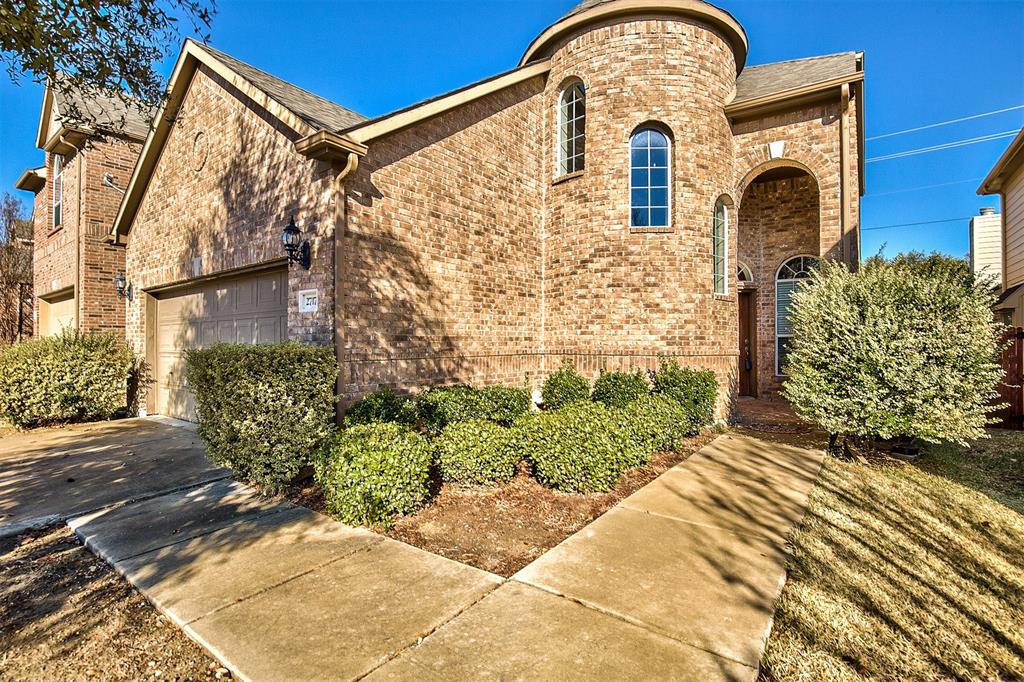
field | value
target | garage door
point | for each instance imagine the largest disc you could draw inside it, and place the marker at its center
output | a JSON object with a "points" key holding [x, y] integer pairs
{"points": [[251, 309]]}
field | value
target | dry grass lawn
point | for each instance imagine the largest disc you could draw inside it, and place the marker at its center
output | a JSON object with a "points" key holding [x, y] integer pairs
{"points": [[909, 571]]}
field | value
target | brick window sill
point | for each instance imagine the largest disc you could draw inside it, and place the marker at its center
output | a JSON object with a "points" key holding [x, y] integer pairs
{"points": [[651, 230], [568, 176], [724, 297], [55, 230]]}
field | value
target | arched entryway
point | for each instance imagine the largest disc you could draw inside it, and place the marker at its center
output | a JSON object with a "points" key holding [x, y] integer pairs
{"points": [[778, 219]]}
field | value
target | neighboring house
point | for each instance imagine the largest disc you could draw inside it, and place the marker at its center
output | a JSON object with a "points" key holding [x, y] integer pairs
{"points": [[77, 192], [1007, 180], [986, 246], [630, 190]]}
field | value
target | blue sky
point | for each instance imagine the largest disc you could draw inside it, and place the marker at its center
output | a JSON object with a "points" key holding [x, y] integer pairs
{"points": [[926, 62]]}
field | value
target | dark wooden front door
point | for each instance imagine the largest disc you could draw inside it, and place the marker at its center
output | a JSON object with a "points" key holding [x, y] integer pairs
{"points": [[748, 344]]}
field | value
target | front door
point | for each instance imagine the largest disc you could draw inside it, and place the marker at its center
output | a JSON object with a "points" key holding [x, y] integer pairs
{"points": [[748, 341]]}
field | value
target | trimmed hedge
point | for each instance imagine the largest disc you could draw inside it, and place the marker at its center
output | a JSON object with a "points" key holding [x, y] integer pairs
{"points": [[67, 378], [580, 448], [478, 452], [618, 389], [370, 473], [264, 410], [443, 405], [656, 423], [695, 390], [382, 406], [564, 386]]}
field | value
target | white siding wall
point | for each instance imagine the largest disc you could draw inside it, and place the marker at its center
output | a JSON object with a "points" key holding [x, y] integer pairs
{"points": [[987, 247]]}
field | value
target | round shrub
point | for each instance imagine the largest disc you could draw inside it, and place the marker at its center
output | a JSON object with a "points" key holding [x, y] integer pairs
{"points": [[372, 472], [580, 448], [477, 451], [382, 406], [443, 405], [655, 423], [72, 377], [564, 386], [618, 389], [696, 390], [264, 410], [505, 403]]}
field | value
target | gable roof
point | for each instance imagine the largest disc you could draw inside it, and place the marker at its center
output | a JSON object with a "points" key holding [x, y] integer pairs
{"points": [[1010, 160], [318, 112], [779, 77], [86, 113]]}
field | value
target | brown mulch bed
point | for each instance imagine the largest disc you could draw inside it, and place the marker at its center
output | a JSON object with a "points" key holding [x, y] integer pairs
{"points": [[503, 528], [66, 615]]}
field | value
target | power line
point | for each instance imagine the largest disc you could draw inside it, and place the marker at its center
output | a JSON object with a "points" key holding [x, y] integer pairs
{"points": [[945, 123], [947, 145], [915, 189], [910, 224]]}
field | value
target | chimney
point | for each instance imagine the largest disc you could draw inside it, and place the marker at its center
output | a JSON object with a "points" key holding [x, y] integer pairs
{"points": [[987, 210]]}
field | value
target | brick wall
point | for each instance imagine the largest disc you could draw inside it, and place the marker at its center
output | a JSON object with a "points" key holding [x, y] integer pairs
{"points": [[777, 220], [227, 182]]}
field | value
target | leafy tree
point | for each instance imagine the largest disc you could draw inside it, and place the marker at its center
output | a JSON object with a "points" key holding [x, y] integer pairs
{"points": [[15, 271], [906, 348], [100, 46]]}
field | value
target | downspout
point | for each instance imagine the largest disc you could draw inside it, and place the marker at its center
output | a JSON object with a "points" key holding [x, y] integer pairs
{"points": [[78, 241], [844, 173], [338, 191]]}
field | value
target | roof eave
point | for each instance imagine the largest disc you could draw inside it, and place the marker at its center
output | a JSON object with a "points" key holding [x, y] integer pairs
{"points": [[1008, 162], [758, 106], [32, 180], [326, 146]]}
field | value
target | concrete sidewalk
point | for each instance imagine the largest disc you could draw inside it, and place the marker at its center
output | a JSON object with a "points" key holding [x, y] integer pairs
{"points": [[676, 582]]}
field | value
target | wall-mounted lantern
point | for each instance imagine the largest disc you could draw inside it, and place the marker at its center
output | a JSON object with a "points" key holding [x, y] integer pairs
{"points": [[123, 288], [295, 245]]}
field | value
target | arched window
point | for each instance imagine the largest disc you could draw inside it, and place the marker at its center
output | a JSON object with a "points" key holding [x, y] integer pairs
{"points": [[743, 274], [789, 277], [720, 247], [58, 190], [572, 124], [649, 173]]}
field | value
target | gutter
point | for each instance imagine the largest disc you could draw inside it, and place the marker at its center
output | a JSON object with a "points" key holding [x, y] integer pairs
{"points": [[798, 95]]}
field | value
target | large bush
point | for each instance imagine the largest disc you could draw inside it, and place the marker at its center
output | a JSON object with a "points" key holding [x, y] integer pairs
{"points": [[382, 406], [656, 423], [372, 472], [580, 448], [564, 386], [694, 389], [444, 405], [264, 410], [477, 451], [505, 404], [68, 378], [902, 348], [618, 389]]}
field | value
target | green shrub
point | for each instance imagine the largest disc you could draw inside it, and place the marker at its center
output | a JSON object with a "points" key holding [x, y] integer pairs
{"points": [[655, 423], [694, 389], [68, 378], [382, 406], [564, 386], [443, 405], [263, 410], [580, 448], [618, 389], [902, 348], [505, 403], [478, 452], [370, 473]]}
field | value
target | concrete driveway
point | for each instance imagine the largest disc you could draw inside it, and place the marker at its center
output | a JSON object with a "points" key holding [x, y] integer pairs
{"points": [[50, 474]]}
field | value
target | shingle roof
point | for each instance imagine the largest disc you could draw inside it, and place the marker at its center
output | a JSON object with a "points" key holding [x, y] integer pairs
{"points": [[770, 79], [318, 112], [103, 111]]}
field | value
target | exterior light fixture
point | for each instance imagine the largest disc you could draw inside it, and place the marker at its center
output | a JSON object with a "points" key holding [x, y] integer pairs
{"points": [[123, 288], [296, 247]]}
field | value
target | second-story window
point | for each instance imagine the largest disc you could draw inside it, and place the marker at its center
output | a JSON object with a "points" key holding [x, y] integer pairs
{"points": [[572, 123], [649, 173], [58, 189]]}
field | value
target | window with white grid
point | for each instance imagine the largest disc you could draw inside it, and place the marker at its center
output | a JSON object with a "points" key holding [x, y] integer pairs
{"points": [[572, 123], [649, 173]]}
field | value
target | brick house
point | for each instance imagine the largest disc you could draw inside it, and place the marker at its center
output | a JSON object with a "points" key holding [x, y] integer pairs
{"points": [[77, 192], [630, 190]]}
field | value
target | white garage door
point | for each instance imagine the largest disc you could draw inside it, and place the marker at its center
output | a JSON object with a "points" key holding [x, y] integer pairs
{"points": [[249, 309]]}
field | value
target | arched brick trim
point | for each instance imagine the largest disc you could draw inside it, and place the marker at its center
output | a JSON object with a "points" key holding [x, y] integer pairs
{"points": [[755, 159]]}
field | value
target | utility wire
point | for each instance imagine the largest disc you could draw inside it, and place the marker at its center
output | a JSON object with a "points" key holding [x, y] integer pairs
{"points": [[945, 123], [926, 222], [947, 145], [915, 189]]}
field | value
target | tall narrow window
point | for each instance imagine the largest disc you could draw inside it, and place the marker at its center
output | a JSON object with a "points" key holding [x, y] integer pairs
{"points": [[649, 179], [789, 277], [720, 247], [58, 189], [572, 124]]}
